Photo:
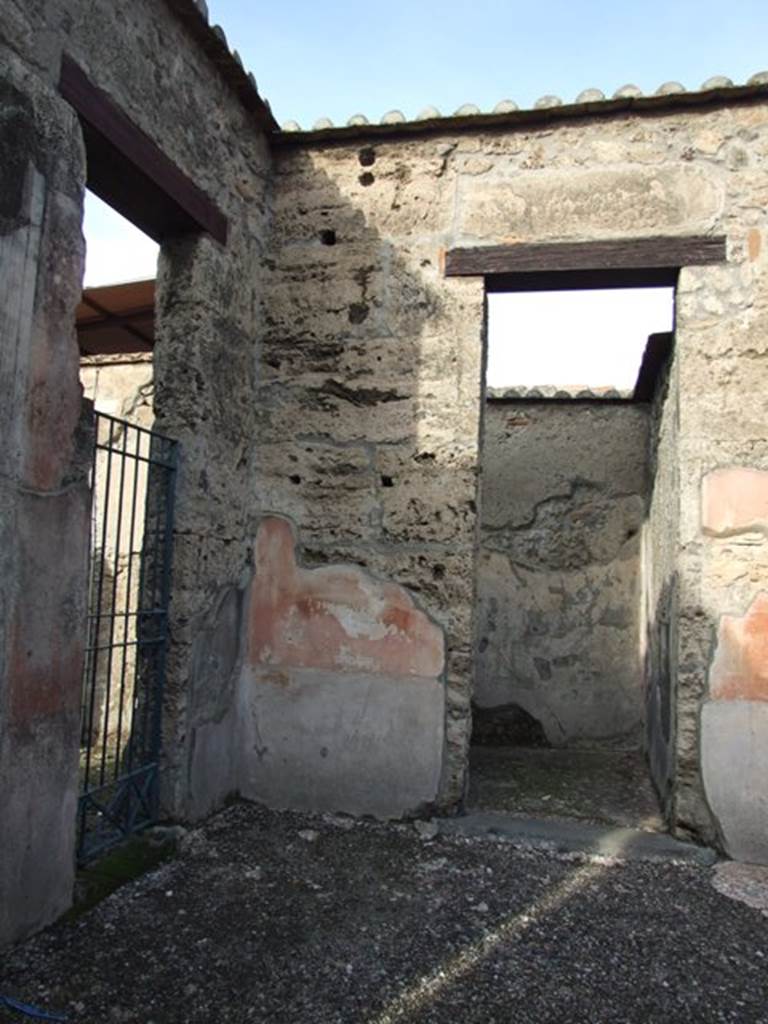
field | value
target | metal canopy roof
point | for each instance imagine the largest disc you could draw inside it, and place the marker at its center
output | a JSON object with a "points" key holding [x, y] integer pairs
{"points": [[117, 319]]}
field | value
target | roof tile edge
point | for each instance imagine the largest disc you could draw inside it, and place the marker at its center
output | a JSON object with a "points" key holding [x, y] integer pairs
{"points": [[589, 102], [194, 16]]}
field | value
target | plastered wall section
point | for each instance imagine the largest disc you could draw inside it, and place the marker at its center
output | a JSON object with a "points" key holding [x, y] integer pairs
{"points": [[372, 358], [563, 504], [206, 359], [341, 702], [722, 344], [369, 401]]}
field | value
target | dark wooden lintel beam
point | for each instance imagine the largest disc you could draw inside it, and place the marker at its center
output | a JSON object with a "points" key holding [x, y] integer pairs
{"points": [[128, 170], [555, 257]]}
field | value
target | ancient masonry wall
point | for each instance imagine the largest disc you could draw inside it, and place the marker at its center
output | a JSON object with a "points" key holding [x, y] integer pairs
{"points": [[206, 354], [372, 358], [121, 386], [370, 395], [562, 506], [206, 361]]}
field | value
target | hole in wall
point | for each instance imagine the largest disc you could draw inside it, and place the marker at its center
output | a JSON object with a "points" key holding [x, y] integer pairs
{"points": [[387, 481], [366, 179], [295, 478], [367, 156], [357, 313], [328, 236]]}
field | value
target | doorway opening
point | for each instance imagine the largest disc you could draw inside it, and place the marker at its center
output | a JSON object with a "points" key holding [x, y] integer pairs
{"points": [[132, 484], [571, 562], [133, 469]]}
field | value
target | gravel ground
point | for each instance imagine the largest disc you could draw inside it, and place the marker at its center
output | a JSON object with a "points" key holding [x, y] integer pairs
{"points": [[280, 918]]}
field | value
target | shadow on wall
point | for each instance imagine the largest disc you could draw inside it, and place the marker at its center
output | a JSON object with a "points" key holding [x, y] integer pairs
{"points": [[659, 674], [366, 410]]}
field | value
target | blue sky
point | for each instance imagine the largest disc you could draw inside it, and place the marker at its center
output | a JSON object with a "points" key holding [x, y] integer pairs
{"points": [[315, 60], [334, 59]]}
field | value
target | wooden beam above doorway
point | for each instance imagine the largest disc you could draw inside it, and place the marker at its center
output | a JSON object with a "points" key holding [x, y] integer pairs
{"points": [[130, 172], [657, 253]]}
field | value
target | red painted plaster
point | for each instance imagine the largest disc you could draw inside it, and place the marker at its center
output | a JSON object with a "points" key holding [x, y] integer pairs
{"points": [[335, 617], [734, 500], [740, 667], [44, 685]]}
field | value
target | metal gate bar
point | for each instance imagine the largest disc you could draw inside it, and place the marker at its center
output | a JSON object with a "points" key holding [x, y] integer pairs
{"points": [[133, 484]]}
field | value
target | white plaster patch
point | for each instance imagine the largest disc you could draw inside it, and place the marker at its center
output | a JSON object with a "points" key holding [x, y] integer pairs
{"points": [[358, 624], [747, 883]]}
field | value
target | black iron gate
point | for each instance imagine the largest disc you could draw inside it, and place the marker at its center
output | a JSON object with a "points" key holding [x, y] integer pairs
{"points": [[133, 482]]}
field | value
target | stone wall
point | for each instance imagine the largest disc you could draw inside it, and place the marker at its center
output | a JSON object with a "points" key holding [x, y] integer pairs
{"points": [[734, 743], [207, 329], [342, 703], [121, 386], [372, 356], [562, 505], [370, 399]]}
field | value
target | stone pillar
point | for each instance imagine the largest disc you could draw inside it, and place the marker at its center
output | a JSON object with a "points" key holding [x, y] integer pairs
{"points": [[44, 499]]}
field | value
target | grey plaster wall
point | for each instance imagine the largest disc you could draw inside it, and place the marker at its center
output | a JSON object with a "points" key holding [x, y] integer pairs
{"points": [[370, 396], [562, 506]]}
